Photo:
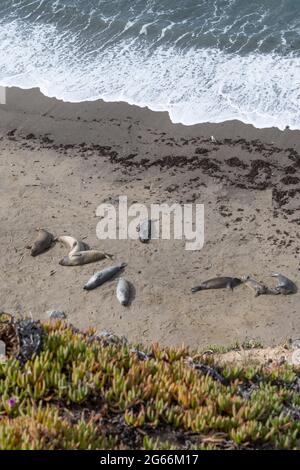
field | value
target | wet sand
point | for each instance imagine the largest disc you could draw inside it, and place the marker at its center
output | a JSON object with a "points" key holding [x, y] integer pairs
{"points": [[60, 161]]}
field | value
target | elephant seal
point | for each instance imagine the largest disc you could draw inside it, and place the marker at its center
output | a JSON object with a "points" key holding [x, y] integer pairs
{"points": [[144, 229], [123, 291], [258, 287], [218, 283], [43, 241], [102, 276], [83, 257], [73, 244], [285, 286]]}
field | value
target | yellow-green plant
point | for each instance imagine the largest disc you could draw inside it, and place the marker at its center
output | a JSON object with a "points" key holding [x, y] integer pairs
{"points": [[43, 402]]}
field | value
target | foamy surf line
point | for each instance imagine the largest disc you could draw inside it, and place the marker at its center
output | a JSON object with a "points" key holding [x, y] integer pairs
{"points": [[193, 86]]}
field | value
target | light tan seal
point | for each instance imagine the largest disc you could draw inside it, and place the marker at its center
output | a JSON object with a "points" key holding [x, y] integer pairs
{"points": [[42, 242], [83, 257], [73, 244], [258, 287]]}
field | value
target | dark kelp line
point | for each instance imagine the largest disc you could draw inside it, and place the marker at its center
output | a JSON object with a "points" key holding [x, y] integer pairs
{"points": [[262, 167]]}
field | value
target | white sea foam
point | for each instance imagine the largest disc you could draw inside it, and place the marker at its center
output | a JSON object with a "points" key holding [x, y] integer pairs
{"points": [[194, 86]]}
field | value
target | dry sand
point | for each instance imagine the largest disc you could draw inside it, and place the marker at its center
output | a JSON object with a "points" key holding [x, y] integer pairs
{"points": [[59, 161]]}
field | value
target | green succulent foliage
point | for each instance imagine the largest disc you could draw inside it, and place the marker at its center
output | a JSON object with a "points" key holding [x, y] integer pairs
{"points": [[75, 369], [42, 428]]}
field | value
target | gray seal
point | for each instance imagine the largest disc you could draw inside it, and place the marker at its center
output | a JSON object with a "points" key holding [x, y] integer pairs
{"points": [[258, 287], [42, 243], [123, 291], [284, 286], [218, 283], [56, 314], [102, 276], [144, 229], [83, 257]]}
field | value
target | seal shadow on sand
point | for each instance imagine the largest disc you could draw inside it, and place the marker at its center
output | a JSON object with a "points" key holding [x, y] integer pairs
{"points": [[132, 293]]}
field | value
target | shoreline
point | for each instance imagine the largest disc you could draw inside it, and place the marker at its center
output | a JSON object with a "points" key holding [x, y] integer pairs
{"points": [[230, 123], [59, 161], [146, 107]]}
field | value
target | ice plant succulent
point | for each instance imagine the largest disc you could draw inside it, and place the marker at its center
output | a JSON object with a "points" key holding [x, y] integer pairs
{"points": [[79, 390]]}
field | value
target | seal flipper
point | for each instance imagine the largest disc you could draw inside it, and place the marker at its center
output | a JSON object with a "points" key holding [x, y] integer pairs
{"points": [[196, 289], [272, 291], [230, 286]]}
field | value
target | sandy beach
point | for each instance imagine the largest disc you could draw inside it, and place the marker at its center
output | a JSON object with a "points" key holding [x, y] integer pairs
{"points": [[60, 161]]}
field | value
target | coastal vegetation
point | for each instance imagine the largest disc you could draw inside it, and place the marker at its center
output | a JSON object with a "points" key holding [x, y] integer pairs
{"points": [[81, 390]]}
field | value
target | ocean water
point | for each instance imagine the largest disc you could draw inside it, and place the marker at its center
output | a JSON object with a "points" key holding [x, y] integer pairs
{"points": [[200, 60]]}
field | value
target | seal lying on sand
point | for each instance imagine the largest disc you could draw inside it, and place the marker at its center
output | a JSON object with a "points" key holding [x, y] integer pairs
{"points": [[258, 287], [73, 244], [123, 291], [43, 241], [144, 229], [102, 276], [83, 257], [285, 286], [218, 283]]}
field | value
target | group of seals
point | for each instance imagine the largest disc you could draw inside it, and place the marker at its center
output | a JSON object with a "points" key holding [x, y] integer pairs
{"points": [[285, 286], [123, 291], [80, 254]]}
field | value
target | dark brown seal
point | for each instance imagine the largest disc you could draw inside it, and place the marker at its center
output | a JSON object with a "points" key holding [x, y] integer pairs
{"points": [[43, 241], [218, 283]]}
